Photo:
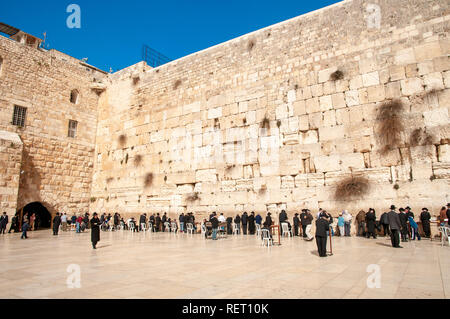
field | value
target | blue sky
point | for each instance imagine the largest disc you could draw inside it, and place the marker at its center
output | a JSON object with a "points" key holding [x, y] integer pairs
{"points": [[113, 32]]}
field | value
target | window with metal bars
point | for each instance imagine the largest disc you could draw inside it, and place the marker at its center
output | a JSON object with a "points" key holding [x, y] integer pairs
{"points": [[72, 128], [19, 115]]}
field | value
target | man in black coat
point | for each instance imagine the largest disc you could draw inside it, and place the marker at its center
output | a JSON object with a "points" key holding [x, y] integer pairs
{"points": [[142, 220], [229, 227], [322, 227], [56, 223], [283, 218], [95, 230], [296, 222], [215, 226], [404, 223], [395, 226], [14, 224], [158, 222], [116, 220], [251, 223], [268, 220], [3, 222], [244, 221], [425, 219], [303, 221], [370, 221], [385, 224], [237, 222], [152, 222]]}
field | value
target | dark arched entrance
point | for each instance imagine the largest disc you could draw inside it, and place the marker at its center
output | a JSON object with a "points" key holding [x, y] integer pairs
{"points": [[43, 216]]}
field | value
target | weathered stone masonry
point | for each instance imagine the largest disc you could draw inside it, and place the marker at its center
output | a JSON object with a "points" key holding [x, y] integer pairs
{"points": [[261, 122], [55, 170]]}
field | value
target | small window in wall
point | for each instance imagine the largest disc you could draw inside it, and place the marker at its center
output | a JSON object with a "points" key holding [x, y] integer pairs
{"points": [[19, 115], [1, 65], [74, 96], [72, 128]]}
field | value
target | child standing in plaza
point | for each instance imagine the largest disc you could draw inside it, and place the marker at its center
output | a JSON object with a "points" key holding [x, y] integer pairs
{"points": [[414, 228]]}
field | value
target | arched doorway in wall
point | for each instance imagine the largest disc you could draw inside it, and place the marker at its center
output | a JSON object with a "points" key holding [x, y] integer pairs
{"points": [[43, 217]]}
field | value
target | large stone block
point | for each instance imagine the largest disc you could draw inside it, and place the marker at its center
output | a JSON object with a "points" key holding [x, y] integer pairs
{"points": [[370, 79], [427, 51], [412, 86], [436, 117], [206, 175], [327, 163], [352, 98]]}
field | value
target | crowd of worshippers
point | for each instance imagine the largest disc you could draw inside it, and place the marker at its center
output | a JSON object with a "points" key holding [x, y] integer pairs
{"points": [[366, 223]]}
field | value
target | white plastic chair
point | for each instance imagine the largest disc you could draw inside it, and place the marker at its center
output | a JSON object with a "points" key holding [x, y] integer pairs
{"points": [[236, 229], [166, 227], [203, 230], [173, 227], [265, 236], [445, 234], [189, 228], [286, 231], [144, 227], [131, 227], [258, 229]]}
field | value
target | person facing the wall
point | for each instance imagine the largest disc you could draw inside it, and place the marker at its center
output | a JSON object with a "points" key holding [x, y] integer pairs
{"points": [[395, 226], [251, 223], [370, 221], [347, 222], [56, 223], [425, 218], [3, 222], [322, 227]]}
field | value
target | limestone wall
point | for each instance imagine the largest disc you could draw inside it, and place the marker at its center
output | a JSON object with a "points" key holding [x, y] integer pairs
{"points": [[57, 170], [198, 131], [10, 161]]}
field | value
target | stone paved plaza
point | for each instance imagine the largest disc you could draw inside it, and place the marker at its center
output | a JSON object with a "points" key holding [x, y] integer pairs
{"points": [[163, 265]]}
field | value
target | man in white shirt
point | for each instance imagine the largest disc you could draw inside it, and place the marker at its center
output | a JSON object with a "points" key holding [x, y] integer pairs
{"points": [[221, 218], [64, 222], [347, 222]]}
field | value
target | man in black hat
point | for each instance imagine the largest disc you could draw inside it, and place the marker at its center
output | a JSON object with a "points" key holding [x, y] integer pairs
{"points": [[95, 230], [395, 226], [251, 223], [425, 219], [303, 222], [322, 227], [296, 221], [244, 221], [283, 218]]}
